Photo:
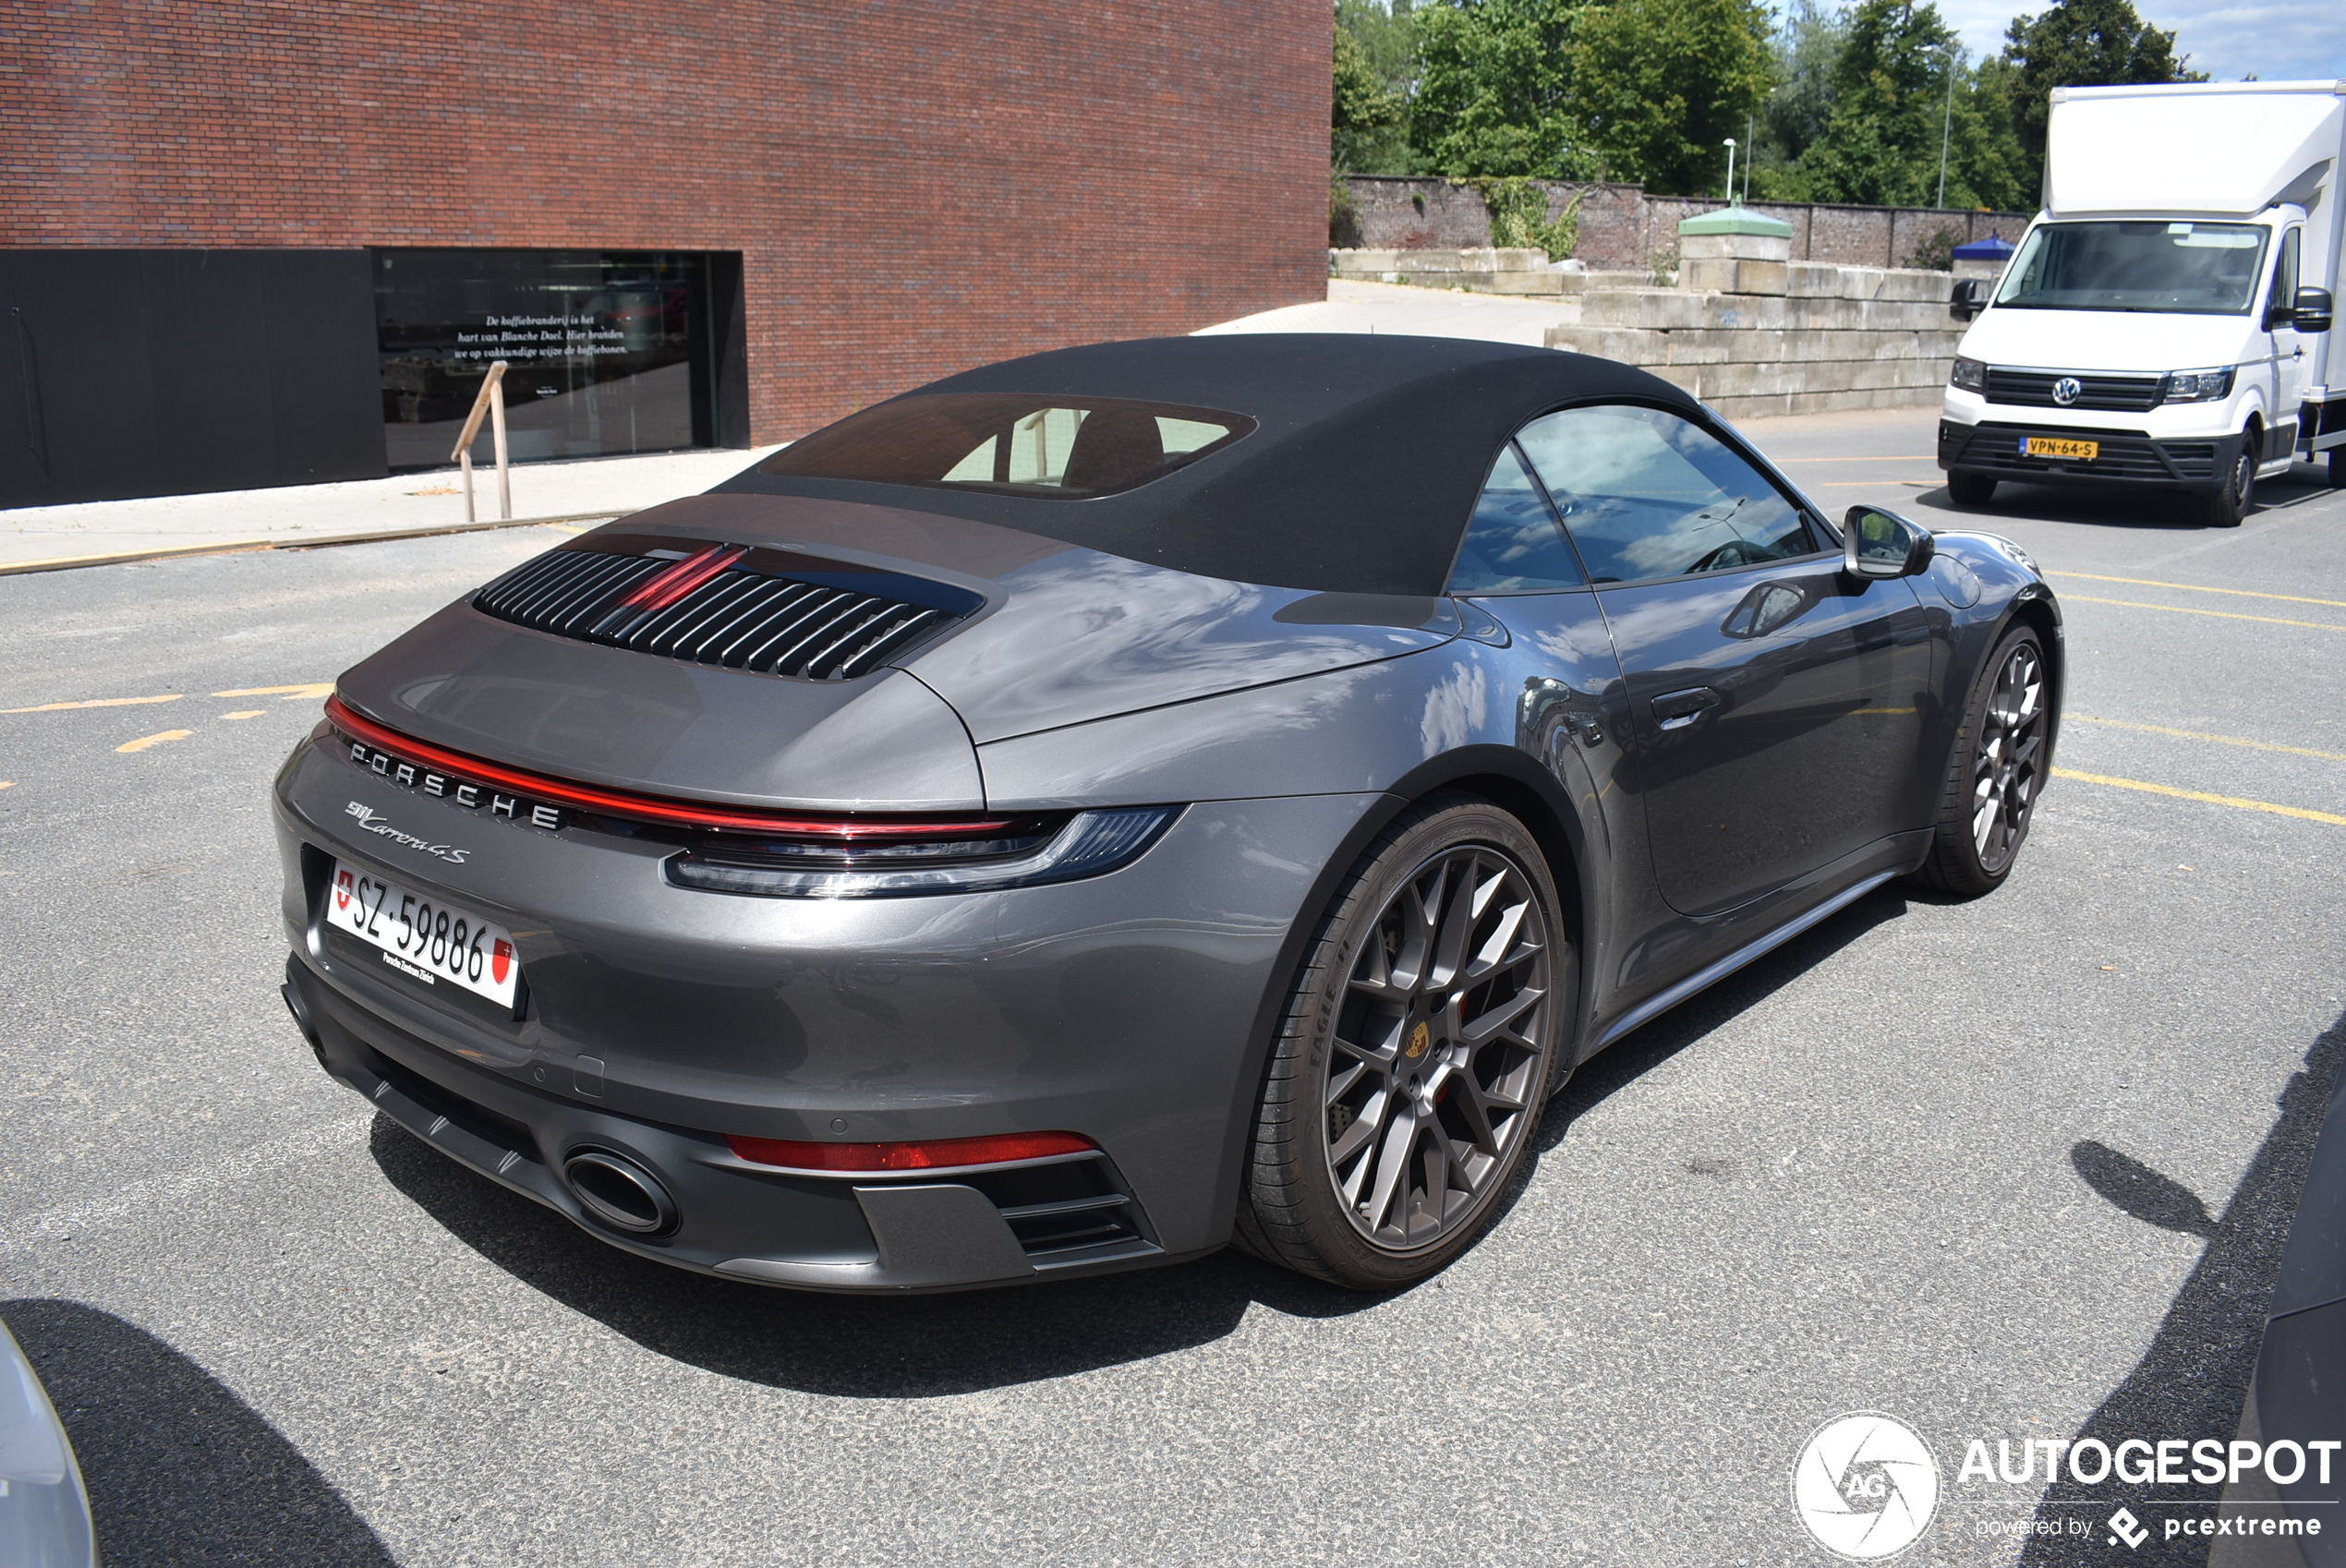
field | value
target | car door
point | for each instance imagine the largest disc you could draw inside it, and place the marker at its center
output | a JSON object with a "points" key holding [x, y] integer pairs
{"points": [[1775, 705], [2288, 347]]}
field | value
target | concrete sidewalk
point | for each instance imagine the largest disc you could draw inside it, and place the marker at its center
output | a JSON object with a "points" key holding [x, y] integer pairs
{"points": [[1404, 310], [308, 515]]}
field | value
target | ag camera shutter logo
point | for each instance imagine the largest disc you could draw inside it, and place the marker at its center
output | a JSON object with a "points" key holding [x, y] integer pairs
{"points": [[1865, 1486]]}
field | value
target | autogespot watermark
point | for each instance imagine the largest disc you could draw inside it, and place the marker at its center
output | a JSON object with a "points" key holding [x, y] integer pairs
{"points": [[1867, 1485]]}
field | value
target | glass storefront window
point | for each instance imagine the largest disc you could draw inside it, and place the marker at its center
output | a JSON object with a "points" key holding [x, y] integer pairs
{"points": [[606, 352]]}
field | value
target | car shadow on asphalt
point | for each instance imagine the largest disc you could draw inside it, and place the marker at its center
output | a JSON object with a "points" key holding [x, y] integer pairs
{"points": [[2193, 1380], [854, 1347], [180, 1471], [1644, 1049], [2134, 511]]}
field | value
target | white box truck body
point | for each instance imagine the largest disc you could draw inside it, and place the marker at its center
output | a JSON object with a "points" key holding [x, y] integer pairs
{"points": [[2164, 320]]}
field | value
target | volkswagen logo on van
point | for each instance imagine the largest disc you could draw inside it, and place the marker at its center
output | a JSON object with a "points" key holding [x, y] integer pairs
{"points": [[2068, 390]]}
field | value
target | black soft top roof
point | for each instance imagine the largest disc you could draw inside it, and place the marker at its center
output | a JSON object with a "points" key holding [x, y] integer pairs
{"points": [[1370, 452]]}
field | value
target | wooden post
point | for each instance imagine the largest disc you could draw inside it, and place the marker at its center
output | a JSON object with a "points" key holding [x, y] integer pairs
{"points": [[497, 424], [491, 399]]}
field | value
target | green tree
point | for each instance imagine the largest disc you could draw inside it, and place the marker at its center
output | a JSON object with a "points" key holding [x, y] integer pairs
{"points": [[2078, 44], [1494, 88], [1806, 46], [1901, 98], [1376, 67], [1662, 84]]}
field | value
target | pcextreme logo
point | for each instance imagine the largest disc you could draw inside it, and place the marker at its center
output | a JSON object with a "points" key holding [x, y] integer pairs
{"points": [[1866, 1485]]}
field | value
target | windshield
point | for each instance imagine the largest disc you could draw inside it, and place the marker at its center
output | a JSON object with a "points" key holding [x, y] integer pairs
{"points": [[1011, 444], [2168, 267]]}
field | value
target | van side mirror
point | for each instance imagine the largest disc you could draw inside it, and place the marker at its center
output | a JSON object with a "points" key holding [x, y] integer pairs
{"points": [[1876, 544], [2311, 311], [1965, 303]]}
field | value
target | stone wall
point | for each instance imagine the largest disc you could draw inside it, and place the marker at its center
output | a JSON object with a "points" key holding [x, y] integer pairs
{"points": [[1622, 227]]}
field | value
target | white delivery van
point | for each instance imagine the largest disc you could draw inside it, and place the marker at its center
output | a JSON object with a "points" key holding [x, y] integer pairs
{"points": [[2166, 320]]}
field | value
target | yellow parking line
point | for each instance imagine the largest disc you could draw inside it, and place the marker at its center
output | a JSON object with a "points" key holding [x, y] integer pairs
{"points": [[2217, 739], [312, 688], [2330, 818], [143, 742], [2196, 588], [2218, 614], [96, 702], [245, 713], [7, 783]]}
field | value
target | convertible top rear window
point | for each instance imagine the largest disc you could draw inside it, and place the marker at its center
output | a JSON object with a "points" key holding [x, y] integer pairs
{"points": [[1008, 443]]}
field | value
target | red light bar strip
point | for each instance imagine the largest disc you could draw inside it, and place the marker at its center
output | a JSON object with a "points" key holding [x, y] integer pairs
{"points": [[645, 808], [664, 588], [929, 1155]]}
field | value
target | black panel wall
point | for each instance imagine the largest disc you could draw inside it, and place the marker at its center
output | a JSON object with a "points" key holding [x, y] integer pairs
{"points": [[170, 372]]}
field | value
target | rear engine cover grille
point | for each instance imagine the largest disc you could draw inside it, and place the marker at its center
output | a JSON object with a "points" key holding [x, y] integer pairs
{"points": [[2033, 388], [742, 615]]}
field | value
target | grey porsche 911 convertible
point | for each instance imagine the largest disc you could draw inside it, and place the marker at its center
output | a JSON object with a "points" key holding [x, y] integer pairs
{"points": [[1120, 801]]}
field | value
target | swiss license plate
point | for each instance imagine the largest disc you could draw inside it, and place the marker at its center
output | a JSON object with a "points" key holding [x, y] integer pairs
{"points": [[424, 938], [2046, 446]]}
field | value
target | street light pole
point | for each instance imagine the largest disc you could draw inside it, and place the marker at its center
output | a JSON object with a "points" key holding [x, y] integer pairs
{"points": [[1947, 126]]}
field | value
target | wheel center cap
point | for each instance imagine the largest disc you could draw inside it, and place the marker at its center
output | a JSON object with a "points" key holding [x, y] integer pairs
{"points": [[1418, 1042]]}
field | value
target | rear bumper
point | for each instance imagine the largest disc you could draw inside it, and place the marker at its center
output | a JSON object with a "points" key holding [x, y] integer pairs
{"points": [[1127, 1007], [2127, 457], [932, 1230]]}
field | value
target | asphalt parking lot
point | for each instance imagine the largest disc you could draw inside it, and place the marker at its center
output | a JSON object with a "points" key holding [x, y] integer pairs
{"points": [[2008, 1170]]}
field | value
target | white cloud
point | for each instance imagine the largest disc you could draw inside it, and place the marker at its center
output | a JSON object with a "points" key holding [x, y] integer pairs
{"points": [[2227, 38]]}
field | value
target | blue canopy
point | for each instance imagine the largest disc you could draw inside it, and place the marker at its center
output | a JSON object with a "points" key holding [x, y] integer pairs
{"points": [[1995, 247]]}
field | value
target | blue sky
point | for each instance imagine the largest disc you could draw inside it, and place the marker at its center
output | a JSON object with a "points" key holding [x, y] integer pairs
{"points": [[2228, 39]]}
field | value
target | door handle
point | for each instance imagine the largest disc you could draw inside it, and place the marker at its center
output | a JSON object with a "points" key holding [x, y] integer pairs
{"points": [[1676, 710]]}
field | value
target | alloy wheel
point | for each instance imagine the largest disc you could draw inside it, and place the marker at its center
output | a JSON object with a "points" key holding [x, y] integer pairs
{"points": [[1439, 1049], [2004, 773]]}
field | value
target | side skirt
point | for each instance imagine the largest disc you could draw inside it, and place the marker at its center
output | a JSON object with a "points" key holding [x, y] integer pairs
{"points": [[1653, 1007]]}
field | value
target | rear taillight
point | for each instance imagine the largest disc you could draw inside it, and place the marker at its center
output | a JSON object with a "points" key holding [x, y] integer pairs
{"points": [[926, 1155], [1091, 843]]}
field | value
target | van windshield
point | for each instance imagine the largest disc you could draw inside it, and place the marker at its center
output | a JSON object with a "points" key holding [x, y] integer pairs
{"points": [[2166, 268]]}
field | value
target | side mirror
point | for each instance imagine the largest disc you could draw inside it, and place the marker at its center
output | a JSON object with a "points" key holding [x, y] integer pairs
{"points": [[1875, 543], [2311, 311], [1964, 303]]}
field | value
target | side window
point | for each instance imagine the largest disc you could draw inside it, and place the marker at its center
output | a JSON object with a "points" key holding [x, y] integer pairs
{"points": [[1513, 544], [2285, 271], [1647, 494]]}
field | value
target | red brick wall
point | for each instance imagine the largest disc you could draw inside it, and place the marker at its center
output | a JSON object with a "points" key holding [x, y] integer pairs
{"points": [[916, 186]]}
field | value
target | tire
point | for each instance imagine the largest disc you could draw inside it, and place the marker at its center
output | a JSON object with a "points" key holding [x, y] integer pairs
{"points": [[1967, 488], [1994, 772], [1451, 1083], [2227, 503]]}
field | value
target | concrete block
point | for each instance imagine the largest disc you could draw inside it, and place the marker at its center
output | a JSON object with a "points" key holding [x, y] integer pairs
{"points": [[1734, 247], [1724, 276], [1813, 280]]}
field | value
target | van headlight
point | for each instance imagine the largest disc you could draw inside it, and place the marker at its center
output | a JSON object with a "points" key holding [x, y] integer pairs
{"points": [[2198, 386], [1970, 374]]}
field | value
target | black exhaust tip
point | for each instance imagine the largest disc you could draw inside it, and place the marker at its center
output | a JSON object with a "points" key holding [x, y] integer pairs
{"points": [[619, 1192]]}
